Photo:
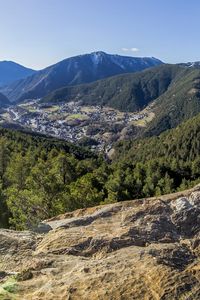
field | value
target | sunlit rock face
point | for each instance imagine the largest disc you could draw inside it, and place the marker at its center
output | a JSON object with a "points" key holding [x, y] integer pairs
{"points": [[140, 249]]}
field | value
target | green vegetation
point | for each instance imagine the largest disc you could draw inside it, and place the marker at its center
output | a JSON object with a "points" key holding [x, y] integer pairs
{"points": [[179, 103], [41, 177], [76, 117], [164, 163], [8, 289], [174, 91], [128, 92], [35, 173]]}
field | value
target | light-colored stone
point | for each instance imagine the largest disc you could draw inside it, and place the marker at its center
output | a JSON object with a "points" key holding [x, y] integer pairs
{"points": [[141, 249]]}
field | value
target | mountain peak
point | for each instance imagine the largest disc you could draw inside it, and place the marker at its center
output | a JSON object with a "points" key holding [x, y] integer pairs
{"points": [[99, 53], [76, 70], [11, 71], [98, 56]]}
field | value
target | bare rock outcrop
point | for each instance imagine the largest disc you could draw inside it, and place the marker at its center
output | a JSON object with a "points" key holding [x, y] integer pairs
{"points": [[140, 249]]}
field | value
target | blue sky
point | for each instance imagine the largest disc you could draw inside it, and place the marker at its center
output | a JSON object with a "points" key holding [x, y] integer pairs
{"points": [[37, 33]]}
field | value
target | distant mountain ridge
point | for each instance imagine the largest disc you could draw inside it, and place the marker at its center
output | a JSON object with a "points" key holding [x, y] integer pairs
{"points": [[76, 70], [195, 64], [11, 71]]}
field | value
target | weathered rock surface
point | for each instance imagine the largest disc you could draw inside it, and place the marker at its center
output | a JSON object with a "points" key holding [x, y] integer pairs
{"points": [[140, 249]]}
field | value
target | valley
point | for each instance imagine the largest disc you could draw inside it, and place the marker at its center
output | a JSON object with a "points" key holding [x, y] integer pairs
{"points": [[94, 126], [99, 150]]}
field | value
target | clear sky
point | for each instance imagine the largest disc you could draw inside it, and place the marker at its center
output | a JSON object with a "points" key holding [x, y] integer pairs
{"points": [[37, 33]]}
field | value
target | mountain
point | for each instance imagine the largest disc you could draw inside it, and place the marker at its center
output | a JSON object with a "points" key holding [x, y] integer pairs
{"points": [[76, 70], [157, 165], [180, 102], [3, 100], [128, 92], [153, 243], [11, 71], [191, 64], [180, 143], [172, 90]]}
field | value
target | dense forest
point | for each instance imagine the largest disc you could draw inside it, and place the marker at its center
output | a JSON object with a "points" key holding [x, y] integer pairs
{"points": [[42, 177], [35, 173]]}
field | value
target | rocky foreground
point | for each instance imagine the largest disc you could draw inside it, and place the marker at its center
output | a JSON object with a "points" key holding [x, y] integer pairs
{"points": [[141, 249]]}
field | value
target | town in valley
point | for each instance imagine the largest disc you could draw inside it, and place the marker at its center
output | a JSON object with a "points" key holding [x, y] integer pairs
{"points": [[94, 126]]}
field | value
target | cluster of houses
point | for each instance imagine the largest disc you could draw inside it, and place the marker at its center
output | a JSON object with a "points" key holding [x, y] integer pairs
{"points": [[72, 121]]}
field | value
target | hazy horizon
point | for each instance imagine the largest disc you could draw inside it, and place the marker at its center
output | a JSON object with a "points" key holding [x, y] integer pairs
{"points": [[39, 33]]}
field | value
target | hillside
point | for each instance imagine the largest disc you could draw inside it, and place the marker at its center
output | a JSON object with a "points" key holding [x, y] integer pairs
{"points": [[153, 243], [129, 92], [34, 167], [3, 100], [172, 89], [76, 70], [180, 143], [170, 93], [38, 172], [180, 102], [20, 139], [11, 71]]}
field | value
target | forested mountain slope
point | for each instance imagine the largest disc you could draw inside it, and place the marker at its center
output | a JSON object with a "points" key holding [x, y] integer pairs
{"points": [[159, 164], [76, 70], [129, 92], [172, 90], [180, 102], [181, 143]]}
